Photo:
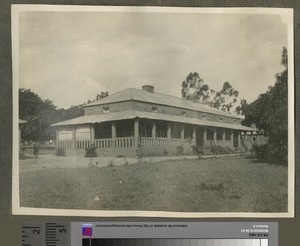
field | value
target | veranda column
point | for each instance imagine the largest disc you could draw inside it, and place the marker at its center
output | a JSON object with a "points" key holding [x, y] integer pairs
{"points": [[182, 132], [231, 138], [204, 136], [194, 136], [92, 133], [74, 138], [153, 133], [223, 136], [136, 132], [215, 135], [251, 139], [169, 134], [239, 139], [56, 138], [113, 134]]}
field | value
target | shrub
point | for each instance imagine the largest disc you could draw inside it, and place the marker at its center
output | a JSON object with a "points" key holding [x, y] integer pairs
{"points": [[60, 152], [198, 150], [91, 151], [140, 153], [228, 150], [217, 150], [270, 153], [180, 149]]}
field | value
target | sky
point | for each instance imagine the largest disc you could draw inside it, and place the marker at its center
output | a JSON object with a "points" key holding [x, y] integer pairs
{"points": [[69, 57]]}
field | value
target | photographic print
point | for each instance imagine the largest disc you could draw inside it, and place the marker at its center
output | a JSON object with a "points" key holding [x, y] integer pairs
{"points": [[153, 111]]}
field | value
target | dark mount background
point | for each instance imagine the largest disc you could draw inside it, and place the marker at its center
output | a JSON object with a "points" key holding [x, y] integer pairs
{"points": [[10, 226]]}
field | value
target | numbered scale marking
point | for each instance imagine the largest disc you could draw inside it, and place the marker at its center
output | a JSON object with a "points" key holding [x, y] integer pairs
{"points": [[45, 234]]}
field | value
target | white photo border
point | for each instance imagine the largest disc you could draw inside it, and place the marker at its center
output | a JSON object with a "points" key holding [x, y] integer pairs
{"points": [[286, 13]]}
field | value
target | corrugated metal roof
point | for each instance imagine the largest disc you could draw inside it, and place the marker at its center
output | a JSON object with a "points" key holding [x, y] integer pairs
{"points": [[158, 98], [131, 114]]}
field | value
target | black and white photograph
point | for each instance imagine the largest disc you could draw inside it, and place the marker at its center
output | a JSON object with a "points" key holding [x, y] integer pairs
{"points": [[153, 111]]}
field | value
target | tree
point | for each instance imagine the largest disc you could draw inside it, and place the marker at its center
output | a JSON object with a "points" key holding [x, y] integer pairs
{"points": [[38, 114], [226, 98], [194, 89], [270, 114], [66, 114], [240, 109], [101, 95]]}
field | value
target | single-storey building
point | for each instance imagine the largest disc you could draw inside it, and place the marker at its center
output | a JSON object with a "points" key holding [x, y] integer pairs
{"points": [[160, 124]]}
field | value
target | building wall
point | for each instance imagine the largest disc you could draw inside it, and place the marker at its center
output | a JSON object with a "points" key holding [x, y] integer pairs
{"points": [[83, 132], [113, 107], [162, 109], [65, 133]]}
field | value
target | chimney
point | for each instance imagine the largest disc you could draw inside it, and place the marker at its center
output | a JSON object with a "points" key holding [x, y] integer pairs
{"points": [[148, 88]]}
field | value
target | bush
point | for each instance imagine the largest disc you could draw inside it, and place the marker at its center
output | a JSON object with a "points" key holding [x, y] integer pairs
{"points": [[228, 150], [217, 150], [270, 153], [180, 150], [140, 153], [60, 152], [91, 151], [198, 150]]}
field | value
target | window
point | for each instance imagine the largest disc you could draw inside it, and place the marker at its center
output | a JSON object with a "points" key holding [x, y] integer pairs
{"points": [[183, 113], [105, 110], [154, 109], [204, 116], [234, 122], [221, 119]]}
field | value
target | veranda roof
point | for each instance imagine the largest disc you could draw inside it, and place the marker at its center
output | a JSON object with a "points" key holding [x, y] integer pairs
{"points": [[131, 114]]}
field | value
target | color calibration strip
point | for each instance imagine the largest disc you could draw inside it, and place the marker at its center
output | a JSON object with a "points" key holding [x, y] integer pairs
{"points": [[173, 242]]}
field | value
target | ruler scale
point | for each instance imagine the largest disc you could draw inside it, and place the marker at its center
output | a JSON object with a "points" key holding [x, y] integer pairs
{"points": [[32, 234], [46, 234]]}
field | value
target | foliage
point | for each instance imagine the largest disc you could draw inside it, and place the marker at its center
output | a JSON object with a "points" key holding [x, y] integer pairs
{"points": [[267, 153], [198, 150], [66, 114], [240, 109], [179, 149], [102, 95], [270, 114], [91, 151], [60, 152], [40, 114], [225, 98], [140, 153], [194, 89], [217, 150]]}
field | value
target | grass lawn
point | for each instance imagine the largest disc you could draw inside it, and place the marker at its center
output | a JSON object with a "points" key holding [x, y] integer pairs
{"points": [[230, 184]]}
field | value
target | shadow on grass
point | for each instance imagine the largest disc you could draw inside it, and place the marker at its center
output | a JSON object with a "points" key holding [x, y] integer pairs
{"points": [[253, 159]]}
